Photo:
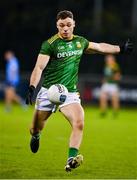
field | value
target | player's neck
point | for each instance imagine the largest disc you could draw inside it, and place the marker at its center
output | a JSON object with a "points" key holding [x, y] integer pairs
{"points": [[70, 38]]}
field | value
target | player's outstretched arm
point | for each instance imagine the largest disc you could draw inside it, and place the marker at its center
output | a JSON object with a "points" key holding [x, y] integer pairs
{"points": [[41, 63], [104, 48]]}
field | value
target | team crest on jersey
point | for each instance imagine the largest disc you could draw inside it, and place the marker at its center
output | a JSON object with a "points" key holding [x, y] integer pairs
{"points": [[78, 44]]}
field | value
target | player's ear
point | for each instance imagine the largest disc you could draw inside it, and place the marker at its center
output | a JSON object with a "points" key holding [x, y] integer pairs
{"points": [[57, 24], [73, 23]]}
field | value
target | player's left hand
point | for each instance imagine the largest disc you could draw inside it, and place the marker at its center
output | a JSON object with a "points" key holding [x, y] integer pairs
{"points": [[127, 47], [30, 95]]}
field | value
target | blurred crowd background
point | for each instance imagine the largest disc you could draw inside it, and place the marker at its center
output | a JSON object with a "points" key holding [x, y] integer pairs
{"points": [[25, 24]]}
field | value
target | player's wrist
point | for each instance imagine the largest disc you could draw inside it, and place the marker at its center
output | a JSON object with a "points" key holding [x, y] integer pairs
{"points": [[32, 88]]}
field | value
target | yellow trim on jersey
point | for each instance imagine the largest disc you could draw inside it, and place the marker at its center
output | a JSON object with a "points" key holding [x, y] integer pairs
{"points": [[56, 36], [53, 38], [67, 39], [75, 36], [116, 67]]}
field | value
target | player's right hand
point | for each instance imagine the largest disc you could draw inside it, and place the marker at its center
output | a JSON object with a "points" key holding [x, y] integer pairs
{"points": [[30, 94]]}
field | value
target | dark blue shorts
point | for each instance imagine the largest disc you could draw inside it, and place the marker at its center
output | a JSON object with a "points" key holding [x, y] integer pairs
{"points": [[11, 84]]}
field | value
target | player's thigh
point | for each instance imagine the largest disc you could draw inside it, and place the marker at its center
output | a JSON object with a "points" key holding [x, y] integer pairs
{"points": [[9, 91], [74, 113], [115, 96], [104, 96]]}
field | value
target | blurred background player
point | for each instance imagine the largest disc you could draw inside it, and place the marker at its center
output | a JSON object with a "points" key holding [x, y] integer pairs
{"points": [[110, 89], [12, 80]]}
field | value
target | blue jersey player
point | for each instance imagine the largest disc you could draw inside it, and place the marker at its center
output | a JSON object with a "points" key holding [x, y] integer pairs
{"points": [[12, 79]]}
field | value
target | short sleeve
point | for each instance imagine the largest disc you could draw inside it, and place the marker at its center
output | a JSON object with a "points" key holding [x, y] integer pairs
{"points": [[86, 43], [46, 48]]}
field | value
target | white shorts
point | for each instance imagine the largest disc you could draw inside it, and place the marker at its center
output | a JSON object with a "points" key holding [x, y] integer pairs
{"points": [[43, 103], [110, 89]]}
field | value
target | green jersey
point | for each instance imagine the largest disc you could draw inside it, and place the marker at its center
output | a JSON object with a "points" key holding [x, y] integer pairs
{"points": [[109, 73], [63, 65]]}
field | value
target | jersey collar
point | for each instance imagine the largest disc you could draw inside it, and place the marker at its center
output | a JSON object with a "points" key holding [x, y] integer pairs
{"points": [[66, 39]]}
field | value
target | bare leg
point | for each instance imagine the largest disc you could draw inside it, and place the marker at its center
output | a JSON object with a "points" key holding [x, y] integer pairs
{"points": [[103, 102], [37, 125], [11, 96], [39, 121], [115, 102], [75, 114], [8, 97], [16, 97]]}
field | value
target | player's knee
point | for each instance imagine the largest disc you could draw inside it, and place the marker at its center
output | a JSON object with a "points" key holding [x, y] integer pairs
{"points": [[79, 124]]}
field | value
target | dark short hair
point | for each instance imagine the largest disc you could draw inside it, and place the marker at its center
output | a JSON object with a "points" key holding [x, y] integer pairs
{"points": [[64, 14]]}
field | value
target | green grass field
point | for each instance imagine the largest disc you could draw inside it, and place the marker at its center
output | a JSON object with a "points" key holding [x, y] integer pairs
{"points": [[109, 146]]}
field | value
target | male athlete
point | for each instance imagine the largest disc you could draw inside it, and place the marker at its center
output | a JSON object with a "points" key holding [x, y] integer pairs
{"points": [[110, 89], [60, 57]]}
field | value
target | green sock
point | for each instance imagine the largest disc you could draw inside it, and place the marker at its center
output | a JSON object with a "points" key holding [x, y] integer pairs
{"points": [[73, 152], [103, 113]]}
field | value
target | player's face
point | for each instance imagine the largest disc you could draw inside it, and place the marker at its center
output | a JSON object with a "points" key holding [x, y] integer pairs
{"points": [[110, 61], [66, 27], [8, 55]]}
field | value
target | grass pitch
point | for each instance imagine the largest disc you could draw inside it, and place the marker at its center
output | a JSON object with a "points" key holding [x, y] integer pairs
{"points": [[109, 146]]}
